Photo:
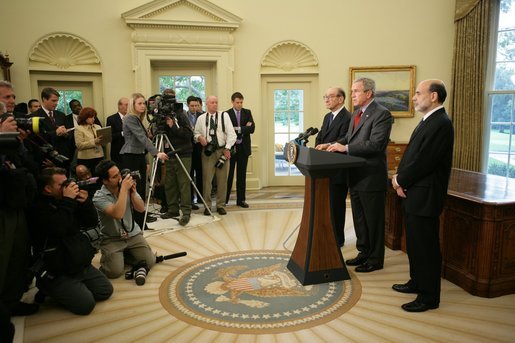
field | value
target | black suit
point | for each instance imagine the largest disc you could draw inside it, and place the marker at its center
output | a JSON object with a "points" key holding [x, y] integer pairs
{"points": [[117, 141], [424, 175], [368, 183], [243, 151], [331, 132], [63, 144]]}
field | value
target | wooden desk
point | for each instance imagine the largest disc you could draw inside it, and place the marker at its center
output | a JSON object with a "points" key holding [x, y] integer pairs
{"points": [[477, 232]]}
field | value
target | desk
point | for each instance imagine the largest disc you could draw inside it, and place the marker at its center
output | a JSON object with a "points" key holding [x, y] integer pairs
{"points": [[477, 232]]}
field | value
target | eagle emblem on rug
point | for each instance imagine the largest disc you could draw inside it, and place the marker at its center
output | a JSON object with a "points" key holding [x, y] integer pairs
{"points": [[266, 282]]}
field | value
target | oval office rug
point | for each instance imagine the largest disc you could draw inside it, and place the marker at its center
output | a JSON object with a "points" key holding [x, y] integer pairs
{"points": [[252, 292]]}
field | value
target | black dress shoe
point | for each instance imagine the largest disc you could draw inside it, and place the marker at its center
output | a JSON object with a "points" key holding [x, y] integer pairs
{"points": [[206, 212], [151, 219], [367, 267], [243, 204], [194, 207], [170, 215], [404, 288], [417, 306], [221, 211], [356, 261], [22, 309]]}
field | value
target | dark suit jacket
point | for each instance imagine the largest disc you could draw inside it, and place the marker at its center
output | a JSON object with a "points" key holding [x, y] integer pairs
{"points": [[426, 165], [369, 140], [63, 144], [116, 124], [245, 117], [337, 131]]}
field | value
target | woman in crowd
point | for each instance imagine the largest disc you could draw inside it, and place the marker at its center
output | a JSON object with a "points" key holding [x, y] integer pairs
{"points": [[137, 143], [89, 149]]}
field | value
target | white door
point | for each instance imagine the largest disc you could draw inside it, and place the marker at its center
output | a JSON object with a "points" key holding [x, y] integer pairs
{"points": [[289, 108]]}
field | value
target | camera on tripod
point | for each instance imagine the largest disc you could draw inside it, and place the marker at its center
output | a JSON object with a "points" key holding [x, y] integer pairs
{"points": [[160, 107], [135, 174]]}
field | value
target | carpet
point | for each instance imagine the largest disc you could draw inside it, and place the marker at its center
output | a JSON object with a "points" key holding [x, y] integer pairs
{"points": [[252, 292]]}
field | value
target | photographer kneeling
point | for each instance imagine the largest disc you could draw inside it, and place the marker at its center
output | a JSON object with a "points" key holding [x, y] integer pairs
{"points": [[121, 235], [66, 273]]}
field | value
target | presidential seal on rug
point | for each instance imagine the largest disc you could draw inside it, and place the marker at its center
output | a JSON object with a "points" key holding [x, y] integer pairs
{"points": [[252, 292]]}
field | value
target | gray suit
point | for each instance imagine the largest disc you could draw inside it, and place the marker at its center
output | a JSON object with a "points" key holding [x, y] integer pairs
{"points": [[368, 183]]}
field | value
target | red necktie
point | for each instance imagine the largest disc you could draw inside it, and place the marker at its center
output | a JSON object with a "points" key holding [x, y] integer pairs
{"points": [[356, 119]]}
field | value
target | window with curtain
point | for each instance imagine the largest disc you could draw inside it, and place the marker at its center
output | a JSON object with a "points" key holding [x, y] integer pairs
{"points": [[501, 95]]}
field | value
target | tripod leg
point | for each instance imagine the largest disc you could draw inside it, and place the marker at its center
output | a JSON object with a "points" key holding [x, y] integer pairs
{"points": [[187, 172], [155, 164]]}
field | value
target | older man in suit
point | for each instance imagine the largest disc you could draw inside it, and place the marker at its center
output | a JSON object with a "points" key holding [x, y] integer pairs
{"points": [[421, 181], [367, 137], [244, 126], [334, 128], [116, 123]]}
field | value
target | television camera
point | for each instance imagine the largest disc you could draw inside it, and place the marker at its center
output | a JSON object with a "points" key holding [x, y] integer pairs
{"points": [[160, 107]]}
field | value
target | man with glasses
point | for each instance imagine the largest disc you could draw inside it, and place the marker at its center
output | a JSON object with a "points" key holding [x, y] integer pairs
{"points": [[368, 135], [334, 128]]}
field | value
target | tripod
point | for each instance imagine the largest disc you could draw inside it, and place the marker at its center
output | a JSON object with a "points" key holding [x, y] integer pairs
{"points": [[160, 139]]}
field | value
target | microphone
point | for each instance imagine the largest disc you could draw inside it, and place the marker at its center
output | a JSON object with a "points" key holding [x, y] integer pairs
{"points": [[304, 136]]}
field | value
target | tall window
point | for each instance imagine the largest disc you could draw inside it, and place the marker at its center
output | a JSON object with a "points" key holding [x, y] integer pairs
{"points": [[184, 86], [501, 149], [288, 123]]}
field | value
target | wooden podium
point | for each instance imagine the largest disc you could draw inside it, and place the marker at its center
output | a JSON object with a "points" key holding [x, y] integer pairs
{"points": [[316, 257]]}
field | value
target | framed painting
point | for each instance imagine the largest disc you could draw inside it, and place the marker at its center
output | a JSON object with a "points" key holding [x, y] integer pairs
{"points": [[395, 87]]}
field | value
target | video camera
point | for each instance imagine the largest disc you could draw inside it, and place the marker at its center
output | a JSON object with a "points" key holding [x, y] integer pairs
{"points": [[160, 107], [32, 124]]}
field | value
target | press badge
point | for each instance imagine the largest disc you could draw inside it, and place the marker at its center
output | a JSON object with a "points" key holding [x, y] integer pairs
{"points": [[211, 132]]}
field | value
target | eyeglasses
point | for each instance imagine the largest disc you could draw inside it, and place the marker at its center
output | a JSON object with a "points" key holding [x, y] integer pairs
{"points": [[327, 97]]}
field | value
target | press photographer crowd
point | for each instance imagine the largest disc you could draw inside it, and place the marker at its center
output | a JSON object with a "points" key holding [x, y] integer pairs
{"points": [[70, 188]]}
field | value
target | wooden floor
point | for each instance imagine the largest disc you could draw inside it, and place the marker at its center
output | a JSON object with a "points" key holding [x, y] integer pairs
{"points": [[135, 314]]}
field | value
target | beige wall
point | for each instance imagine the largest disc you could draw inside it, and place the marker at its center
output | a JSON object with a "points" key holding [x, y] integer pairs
{"points": [[341, 33]]}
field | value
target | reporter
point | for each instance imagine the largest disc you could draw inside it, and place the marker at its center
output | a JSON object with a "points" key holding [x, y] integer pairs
{"points": [[137, 143], [89, 149]]}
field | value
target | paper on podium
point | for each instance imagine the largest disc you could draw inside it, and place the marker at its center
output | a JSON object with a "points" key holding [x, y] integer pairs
{"points": [[104, 133]]}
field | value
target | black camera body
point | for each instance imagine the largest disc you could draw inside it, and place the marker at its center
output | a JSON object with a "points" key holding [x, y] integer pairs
{"points": [[135, 173], [160, 107], [221, 162], [53, 155], [210, 148]]}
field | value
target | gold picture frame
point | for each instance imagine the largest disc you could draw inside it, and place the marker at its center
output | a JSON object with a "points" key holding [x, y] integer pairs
{"points": [[395, 87]]}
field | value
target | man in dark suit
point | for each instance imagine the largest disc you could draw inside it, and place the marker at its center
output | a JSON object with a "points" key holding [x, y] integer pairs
{"points": [[244, 126], [368, 135], [55, 126], [422, 180], [116, 123], [334, 128]]}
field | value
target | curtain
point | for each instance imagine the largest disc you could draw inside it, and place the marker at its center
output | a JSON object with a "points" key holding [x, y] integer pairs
{"points": [[472, 29]]}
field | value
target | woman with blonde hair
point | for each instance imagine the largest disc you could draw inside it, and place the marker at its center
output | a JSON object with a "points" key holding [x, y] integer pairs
{"points": [[89, 149], [137, 143]]}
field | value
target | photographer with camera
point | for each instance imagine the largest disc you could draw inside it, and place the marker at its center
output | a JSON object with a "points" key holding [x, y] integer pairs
{"points": [[121, 235], [17, 187], [177, 182], [215, 132], [65, 253]]}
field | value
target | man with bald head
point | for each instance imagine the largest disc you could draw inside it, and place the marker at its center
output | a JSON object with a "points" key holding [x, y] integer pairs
{"points": [[421, 181], [116, 123], [215, 133]]}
